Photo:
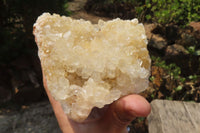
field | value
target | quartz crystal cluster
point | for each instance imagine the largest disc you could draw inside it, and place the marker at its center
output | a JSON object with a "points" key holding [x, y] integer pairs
{"points": [[90, 65]]}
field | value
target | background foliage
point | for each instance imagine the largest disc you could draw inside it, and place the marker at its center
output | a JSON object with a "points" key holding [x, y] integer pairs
{"points": [[171, 11], [179, 12]]}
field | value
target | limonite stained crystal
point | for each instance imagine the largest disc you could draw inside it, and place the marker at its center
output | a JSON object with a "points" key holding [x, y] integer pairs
{"points": [[91, 65]]}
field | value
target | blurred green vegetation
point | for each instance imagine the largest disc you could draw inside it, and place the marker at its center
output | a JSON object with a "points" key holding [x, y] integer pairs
{"points": [[178, 87], [179, 12], [17, 19]]}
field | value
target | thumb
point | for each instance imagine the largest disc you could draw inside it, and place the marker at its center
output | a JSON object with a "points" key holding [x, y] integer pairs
{"points": [[123, 111]]}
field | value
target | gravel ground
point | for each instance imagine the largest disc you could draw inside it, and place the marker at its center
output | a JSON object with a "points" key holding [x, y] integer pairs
{"points": [[37, 118]]}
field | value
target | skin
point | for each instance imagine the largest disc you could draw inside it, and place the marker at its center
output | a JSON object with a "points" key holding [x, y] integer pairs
{"points": [[114, 120]]}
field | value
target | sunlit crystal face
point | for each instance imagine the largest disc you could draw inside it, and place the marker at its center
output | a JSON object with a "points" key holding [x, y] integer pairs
{"points": [[89, 65]]}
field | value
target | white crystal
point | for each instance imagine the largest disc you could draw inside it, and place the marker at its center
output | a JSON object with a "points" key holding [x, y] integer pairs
{"points": [[89, 65]]}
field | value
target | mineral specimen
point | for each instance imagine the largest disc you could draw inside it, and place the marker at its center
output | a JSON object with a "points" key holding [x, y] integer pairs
{"points": [[88, 65]]}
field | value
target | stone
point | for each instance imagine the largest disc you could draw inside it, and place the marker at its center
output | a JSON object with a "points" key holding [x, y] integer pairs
{"points": [[174, 117], [36, 118], [148, 29], [175, 50], [88, 65], [157, 42], [195, 26], [186, 39]]}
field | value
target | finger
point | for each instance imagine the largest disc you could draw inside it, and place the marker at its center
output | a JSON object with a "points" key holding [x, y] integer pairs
{"points": [[123, 111]]}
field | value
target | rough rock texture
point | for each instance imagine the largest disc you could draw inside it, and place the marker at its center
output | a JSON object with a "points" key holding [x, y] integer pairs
{"points": [[37, 118], [174, 117], [89, 65], [175, 50]]}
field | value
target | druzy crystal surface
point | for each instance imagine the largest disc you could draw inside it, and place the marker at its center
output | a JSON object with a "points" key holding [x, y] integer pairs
{"points": [[90, 65]]}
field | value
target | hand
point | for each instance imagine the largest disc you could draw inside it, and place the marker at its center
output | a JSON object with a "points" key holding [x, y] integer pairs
{"points": [[115, 120]]}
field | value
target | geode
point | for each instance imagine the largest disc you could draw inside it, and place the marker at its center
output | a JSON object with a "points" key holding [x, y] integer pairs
{"points": [[91, 65]]}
